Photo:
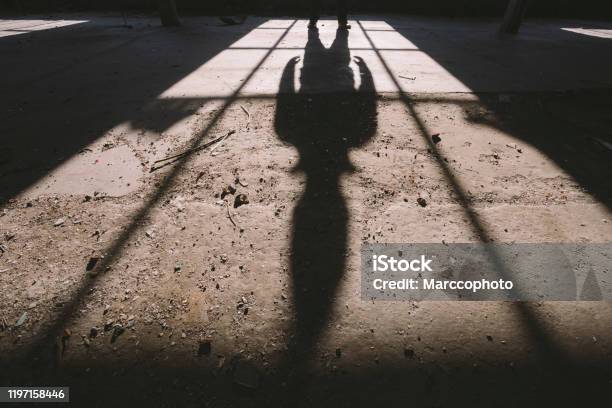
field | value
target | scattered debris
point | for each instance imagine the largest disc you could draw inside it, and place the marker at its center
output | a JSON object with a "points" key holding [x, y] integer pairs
{"points": [[604, 143], [172, 159], [204, 348], [246, 375], [107, 146], [117, 331], [91, 264], [212, 151], [59, 222], [248, 115], [22, 319], [422, 202], [108, 325], [228, 190], [64, 341], [242, 183], [229, 213], [407, 77], [241, 199], [435, 138]]}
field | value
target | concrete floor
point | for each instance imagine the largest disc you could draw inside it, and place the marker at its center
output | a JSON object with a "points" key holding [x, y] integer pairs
{"points": [[90, 105]]}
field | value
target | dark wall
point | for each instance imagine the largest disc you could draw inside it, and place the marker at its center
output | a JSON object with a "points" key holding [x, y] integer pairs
{"points": [[538, 8]]}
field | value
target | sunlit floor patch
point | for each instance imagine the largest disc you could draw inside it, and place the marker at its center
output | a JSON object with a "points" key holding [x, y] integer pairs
{"points": [[15, 27]]}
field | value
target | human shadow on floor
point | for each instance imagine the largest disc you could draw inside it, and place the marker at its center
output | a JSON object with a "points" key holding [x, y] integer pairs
{"points": [[329, 115]]}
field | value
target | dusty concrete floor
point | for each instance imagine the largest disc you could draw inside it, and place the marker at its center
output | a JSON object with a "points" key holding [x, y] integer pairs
{"points": [[89, 107]]}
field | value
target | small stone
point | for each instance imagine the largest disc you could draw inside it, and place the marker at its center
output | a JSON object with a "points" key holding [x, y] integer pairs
{"points": [[108, 325], [436, 138], [91, 264], [59, 222], [422, 202], [21, 319], [490, 338], [228, 190], [93, 332], [408, 352], [241, 199], [117, 331]]}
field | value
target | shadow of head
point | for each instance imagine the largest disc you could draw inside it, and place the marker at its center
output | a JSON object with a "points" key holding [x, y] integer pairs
{"points": [[332, 112]]}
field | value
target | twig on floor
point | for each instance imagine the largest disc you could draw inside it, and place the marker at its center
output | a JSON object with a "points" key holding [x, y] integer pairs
{"points": [[172, 159], [229, 214], [220, 142], [248, 115]]}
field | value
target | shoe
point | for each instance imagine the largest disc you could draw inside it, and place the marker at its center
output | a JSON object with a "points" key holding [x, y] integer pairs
{"points": [[344, 26]]}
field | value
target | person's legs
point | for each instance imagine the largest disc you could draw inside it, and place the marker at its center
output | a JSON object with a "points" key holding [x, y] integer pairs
{"points": [[315, 12], [342, 12]]}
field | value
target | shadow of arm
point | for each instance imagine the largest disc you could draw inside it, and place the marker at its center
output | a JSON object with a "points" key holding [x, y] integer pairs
{"points": [[285, 101]]}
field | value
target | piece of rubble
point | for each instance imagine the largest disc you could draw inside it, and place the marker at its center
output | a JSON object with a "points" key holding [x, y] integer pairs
{"points": [[241, 199], [408, 352], [91, 264], [204, 348], [59, 222], [435, 138], [22, 319], [108, 325], [246, 374], [228, 190], [118, 330], [422, 202]]}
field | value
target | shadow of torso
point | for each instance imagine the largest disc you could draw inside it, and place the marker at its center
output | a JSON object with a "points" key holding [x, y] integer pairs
{"points": [[326, 118]]}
